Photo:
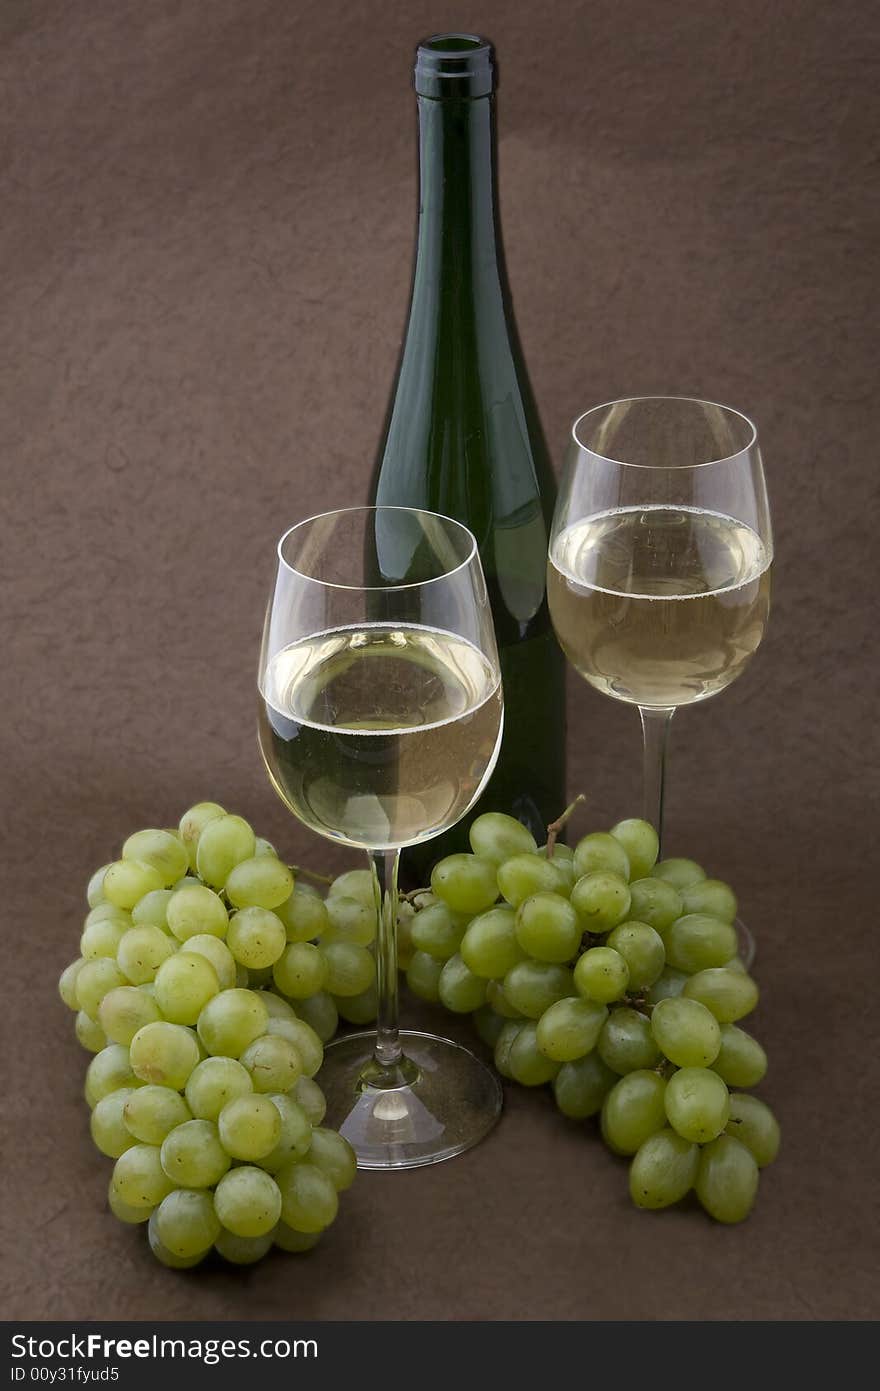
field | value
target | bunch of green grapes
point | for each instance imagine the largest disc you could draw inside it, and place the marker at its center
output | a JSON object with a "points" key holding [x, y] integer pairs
{"points": [[615, 979], [207, 984]]}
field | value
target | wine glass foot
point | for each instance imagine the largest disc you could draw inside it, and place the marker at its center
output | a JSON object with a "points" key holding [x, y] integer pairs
{"points": [[452, 1102], [745, 943]]}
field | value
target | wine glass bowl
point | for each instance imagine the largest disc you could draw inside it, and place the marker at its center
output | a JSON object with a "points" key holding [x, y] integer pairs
{"points": [[380, 720]]}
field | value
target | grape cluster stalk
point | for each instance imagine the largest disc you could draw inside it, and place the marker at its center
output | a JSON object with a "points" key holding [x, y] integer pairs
{"points": [[615, 979]]}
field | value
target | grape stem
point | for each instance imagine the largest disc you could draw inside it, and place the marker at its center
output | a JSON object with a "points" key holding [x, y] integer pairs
{"points": [[297, 870], [556, 827]]}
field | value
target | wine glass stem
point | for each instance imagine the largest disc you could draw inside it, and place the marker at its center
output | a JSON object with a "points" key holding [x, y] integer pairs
{"points": [[384, 865], [655, 738]]}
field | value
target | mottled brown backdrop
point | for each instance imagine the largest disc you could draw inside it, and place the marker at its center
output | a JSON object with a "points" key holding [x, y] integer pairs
{"points": [[206, 225]]}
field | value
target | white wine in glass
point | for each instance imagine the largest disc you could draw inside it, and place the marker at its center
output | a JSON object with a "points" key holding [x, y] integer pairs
{"points": [[660, 560]]}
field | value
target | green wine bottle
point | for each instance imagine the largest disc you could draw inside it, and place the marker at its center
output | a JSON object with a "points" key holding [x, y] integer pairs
{"points": [[462, 434]]}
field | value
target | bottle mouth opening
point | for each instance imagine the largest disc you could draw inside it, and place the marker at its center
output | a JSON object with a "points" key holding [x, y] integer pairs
{"points": [[455, 65]]}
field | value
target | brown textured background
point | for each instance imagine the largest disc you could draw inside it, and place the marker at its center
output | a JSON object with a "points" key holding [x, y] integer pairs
{"points": [[206, 226]]}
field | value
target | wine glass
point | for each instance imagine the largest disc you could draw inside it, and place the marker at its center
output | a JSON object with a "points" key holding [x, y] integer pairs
{"points": [[660, 557], [380, 722]]}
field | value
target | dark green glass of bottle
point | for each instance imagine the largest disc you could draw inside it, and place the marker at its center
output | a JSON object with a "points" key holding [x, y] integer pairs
{"points": [[462, 435]]}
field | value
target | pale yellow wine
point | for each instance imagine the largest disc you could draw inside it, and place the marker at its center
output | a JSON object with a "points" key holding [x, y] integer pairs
{"points": [[380, 735], [660, 606]]}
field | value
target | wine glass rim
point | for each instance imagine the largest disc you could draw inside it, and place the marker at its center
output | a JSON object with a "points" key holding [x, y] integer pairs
{"points": [[693, 400], [377, 588]]}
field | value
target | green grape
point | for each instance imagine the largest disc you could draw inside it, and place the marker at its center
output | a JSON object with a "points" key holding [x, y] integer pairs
{"points": [[309, 1096], [194, 909], [741, 1060], [217, 953], [213, 1084], [531, 987], [498, 1001], [497, 837], [643, 951], [124, 1010], [260, 882], [358, 1009], [128, 880], [95, 887], [601, 901], [736, 963], [727, 1180], [304, 915], [334, 1156], [356, 884], [524, 875], [107, 1123], [184, 985], [108, 1070], [460, 990], [141, 953], [301, 970], [104, 912], [730, 995], [295, 1132], [350, 921], [668, 985], [249, 1127], [242, 977], [231, 1021], [562, 858], [488, 1025], [93, 980], [138, 1179], [223, 843], [754, 1125], [164, 1054], [123, 1211], [663, 1170], [678, 872], [423, 976], [687, 1033], [526, 1062], [439, 932], [489, 946], [304, 1039], [67, 983], [100, 939], [166, 1257], [641, 843], [320, 1013], [626, 1043], [601, 974], [547, 928], [152, 909], [276, 1006], [504, 1043], [711, 896], [308, 1197], [350, 969], [192, 1155], [406, 916], [570, 1029], [697, 1104], [580, 1087], [257, 937], [243, 1250], [186, 1222], [288, 1239], [633, 1110], [655, 902], [193, 822], [465, 883], [601, 853], [151, 1112], [89, 1032], [697, 942], [273, 1063], [162, 851]]}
